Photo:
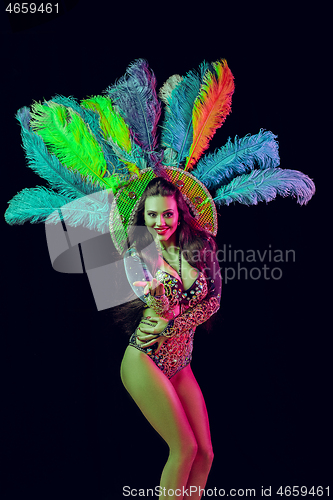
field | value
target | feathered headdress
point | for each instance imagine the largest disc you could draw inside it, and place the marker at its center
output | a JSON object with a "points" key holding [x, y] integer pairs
{"points": [[110, 143]]}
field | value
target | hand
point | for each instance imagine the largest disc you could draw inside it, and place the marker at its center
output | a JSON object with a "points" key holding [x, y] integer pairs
{"points": [[152, 325], [148, 332], [153, 286]]}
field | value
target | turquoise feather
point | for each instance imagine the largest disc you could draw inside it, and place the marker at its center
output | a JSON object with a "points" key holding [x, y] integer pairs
{"points": [[35, 205], [264, 185], [177, 128], [43, 205], [238, 158], [85, 203], [245, 170]]}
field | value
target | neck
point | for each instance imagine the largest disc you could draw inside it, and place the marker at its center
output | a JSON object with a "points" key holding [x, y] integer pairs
{"points": [[170, 245]]}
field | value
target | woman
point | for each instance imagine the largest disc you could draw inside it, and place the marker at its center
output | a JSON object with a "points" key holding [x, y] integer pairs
{"points": [[156, 367], [111, 143]]}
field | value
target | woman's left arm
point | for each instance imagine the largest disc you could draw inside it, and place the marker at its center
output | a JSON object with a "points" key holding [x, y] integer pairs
{"points": [[203, 310]]}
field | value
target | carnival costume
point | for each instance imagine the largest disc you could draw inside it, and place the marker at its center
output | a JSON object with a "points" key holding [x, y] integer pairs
{"points": [[110, 145], [197, 303]]}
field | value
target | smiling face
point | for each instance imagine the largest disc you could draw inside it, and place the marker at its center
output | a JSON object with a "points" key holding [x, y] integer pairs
{"points": [[161, 218]]}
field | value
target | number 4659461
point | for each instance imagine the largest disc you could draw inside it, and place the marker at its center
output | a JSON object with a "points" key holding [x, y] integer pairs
{"points": [[32, 8]]}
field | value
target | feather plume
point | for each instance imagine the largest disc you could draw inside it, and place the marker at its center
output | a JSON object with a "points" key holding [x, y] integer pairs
{"points": [[264, 185], [43, 205], [210, 109], [91, 211], [238, 158], [91, 118], [68, 137], [168, 87], [177, 127], [135, 95], [34, 205], [47, 166], [170, 157], [111, 123], [113, 126]]}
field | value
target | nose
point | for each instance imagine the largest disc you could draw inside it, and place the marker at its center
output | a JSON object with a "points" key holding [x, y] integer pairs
{"points": [[160, 220]]}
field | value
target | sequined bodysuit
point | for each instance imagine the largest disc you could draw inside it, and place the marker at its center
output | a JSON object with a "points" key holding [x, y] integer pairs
{"points": [[198, 303]]}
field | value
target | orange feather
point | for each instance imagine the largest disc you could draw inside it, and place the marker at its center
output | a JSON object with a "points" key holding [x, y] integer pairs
{"points": [[210, 109]]}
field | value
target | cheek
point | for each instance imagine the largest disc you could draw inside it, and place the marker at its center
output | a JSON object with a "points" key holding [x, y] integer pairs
{"points": [[174, 224]]}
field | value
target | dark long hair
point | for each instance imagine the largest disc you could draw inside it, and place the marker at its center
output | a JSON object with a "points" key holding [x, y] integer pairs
{"points": [[192, 241]]}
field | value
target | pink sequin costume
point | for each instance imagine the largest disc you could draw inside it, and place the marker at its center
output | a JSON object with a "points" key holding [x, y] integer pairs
{"points": [[197, 303]]}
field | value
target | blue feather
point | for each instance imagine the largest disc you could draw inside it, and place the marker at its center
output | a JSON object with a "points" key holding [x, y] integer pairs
{"points": [[177, 128], [135, 95], [264, 185], [238, 158]]}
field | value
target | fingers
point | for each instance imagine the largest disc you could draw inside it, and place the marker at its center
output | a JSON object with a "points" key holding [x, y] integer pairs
{"points": [[154, 326], [146, 328], [153, 286], [148, 344], [160, 342], [140, 283], [146, 338]]}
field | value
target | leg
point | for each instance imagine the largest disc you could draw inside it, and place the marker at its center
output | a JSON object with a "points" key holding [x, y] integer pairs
{"points": [[194, 405], [157, 399]]}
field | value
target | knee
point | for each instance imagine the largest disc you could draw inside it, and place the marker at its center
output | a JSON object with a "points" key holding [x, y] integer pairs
{"points": [[205, 456], [190, 449], [187, 451]]}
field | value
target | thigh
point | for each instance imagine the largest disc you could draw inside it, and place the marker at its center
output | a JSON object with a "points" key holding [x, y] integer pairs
{"points": [[157, 398], [194, 405]]}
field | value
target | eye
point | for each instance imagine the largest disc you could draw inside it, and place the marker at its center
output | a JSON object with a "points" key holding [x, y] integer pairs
{"points": [[169, 214]]}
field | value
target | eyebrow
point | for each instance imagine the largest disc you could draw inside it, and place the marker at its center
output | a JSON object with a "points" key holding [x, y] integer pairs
{"points": [[165, 211]]}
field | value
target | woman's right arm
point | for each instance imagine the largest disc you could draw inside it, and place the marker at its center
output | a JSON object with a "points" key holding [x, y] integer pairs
{"points": [[147, 288]]}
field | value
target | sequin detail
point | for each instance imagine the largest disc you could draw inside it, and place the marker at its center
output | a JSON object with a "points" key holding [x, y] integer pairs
{"points": [[176, 351], [160, 303], [175, 292]]}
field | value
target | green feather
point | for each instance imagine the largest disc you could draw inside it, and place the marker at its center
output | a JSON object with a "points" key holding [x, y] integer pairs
{"points": [[113, 126], [68, 137]]}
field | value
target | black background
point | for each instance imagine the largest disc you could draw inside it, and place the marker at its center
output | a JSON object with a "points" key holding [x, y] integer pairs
{"points": [[70, 430]]}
